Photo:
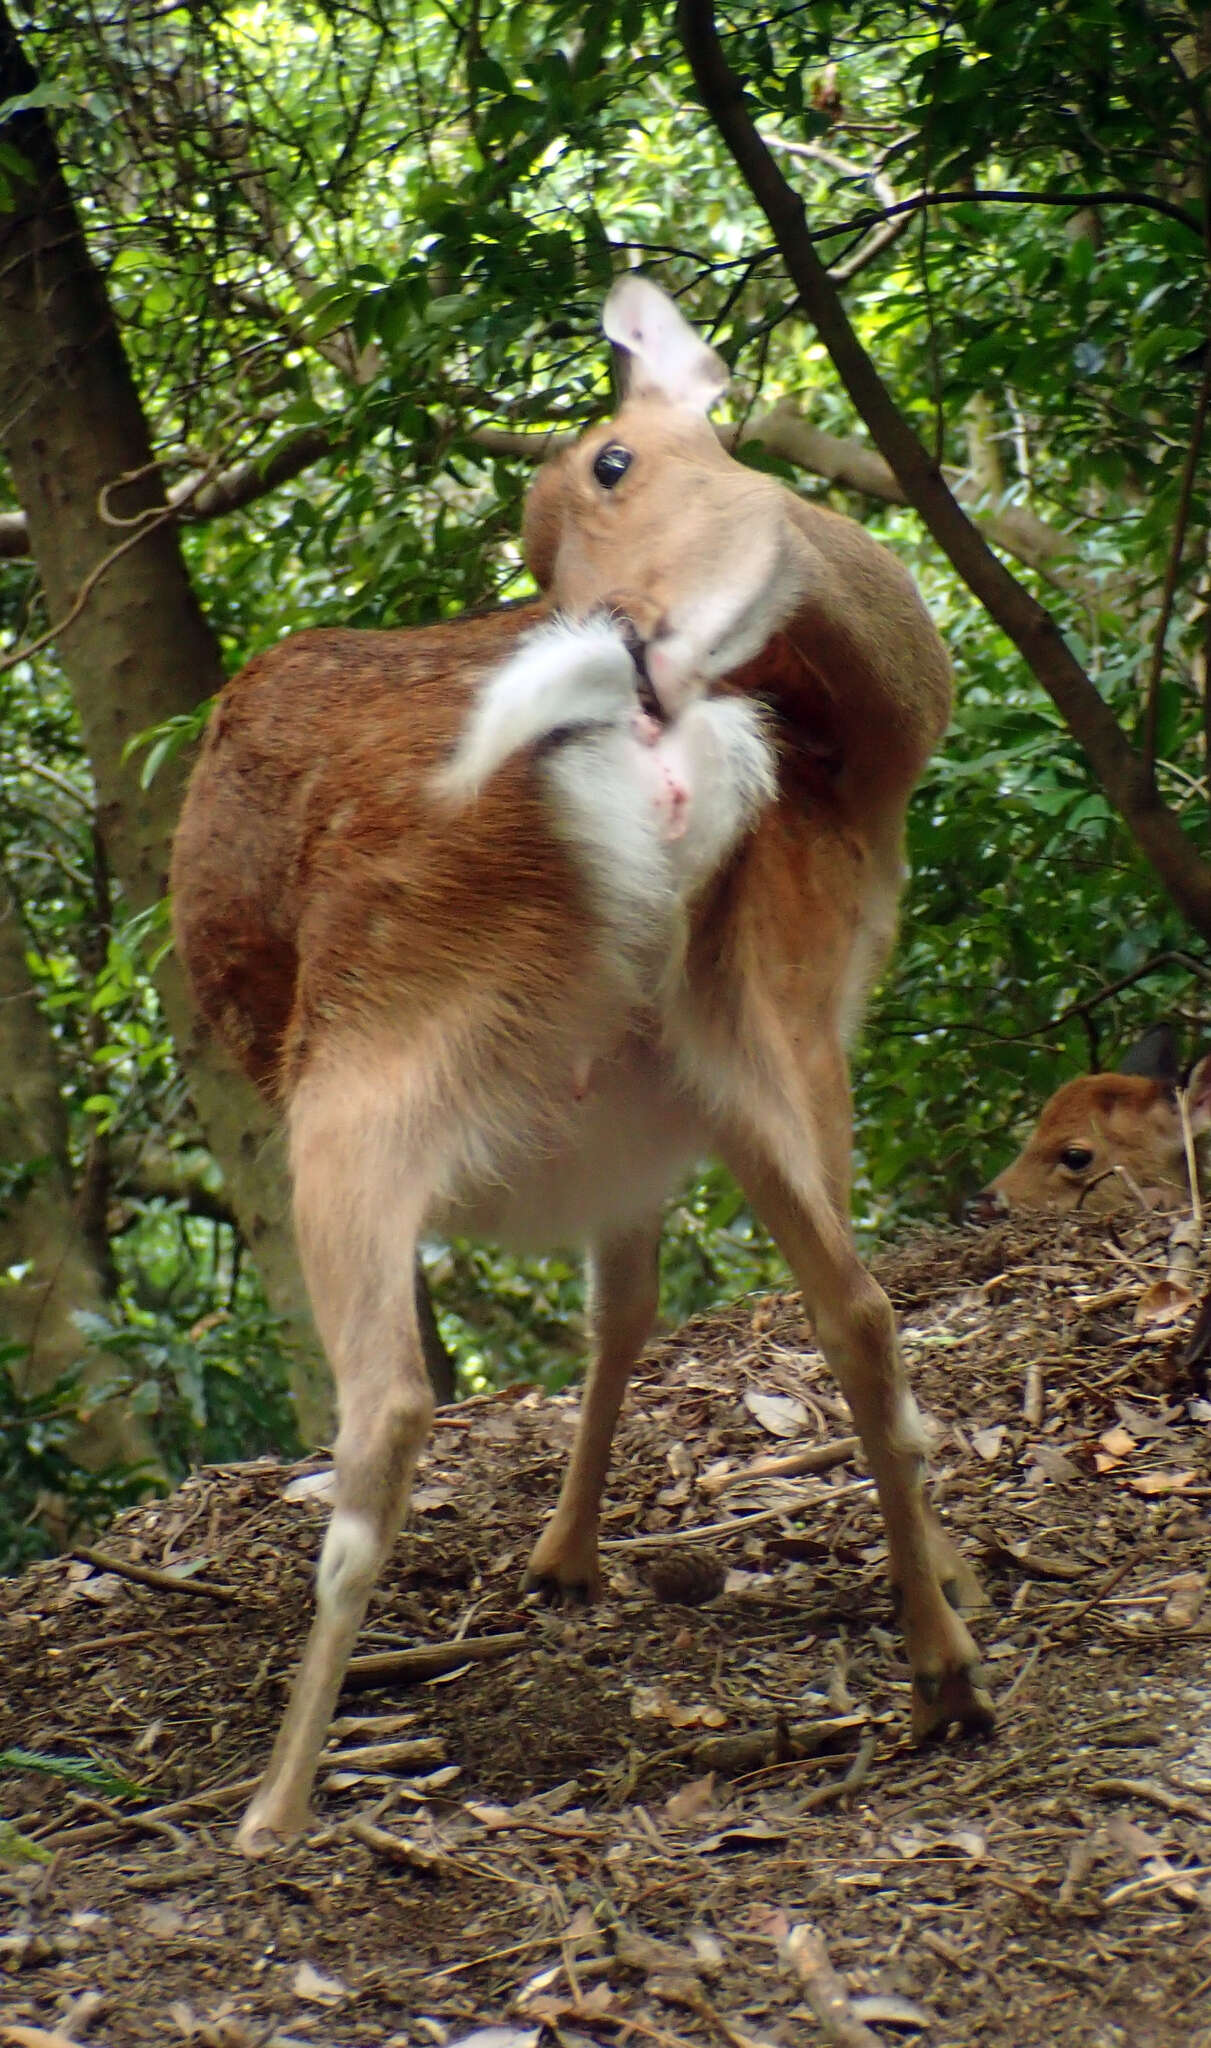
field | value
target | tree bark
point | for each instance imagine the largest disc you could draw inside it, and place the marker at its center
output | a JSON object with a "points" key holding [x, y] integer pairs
{"points": [[47, 1270], [1124, 776]]}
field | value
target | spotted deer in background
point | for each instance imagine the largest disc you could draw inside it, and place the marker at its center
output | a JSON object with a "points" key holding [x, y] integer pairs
{"points": [[517, 916]]}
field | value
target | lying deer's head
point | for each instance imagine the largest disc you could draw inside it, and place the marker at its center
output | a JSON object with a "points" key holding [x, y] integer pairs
{"points": [[1107, 1140]]}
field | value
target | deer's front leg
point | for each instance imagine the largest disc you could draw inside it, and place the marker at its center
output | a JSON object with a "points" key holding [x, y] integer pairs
{"points": [[623, 1289], [855, 1330]]}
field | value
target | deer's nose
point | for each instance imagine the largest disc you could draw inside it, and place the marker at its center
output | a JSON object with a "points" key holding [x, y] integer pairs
{"points": [[989, 1206]]}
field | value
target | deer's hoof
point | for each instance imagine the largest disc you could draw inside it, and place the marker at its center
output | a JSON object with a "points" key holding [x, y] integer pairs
{"points": [[942, 1699], [556, 1591], [263, 1832], [563, 1571]]}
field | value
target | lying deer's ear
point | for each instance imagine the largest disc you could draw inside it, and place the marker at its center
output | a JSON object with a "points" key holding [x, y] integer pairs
{"points": [[1198, 1095], [662, 357], [1154, 1056]]}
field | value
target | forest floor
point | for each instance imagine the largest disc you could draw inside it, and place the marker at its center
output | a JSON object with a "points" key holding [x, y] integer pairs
{"points": [[689, 1815]]}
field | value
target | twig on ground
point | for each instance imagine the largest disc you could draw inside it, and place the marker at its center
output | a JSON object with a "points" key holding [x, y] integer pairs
{"points": [[804, 1954], [706, 1532], [145, 1575], [789, 1742], [838, 1788], [385, 1756], [813, 1458], [1032, 1395], [1156, 1795], [399, 1848], [432, 1660], [1113, 1579], [122, 1823]]}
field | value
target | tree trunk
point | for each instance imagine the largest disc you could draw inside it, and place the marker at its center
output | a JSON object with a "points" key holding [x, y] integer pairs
{"points": [[129, 631], [47, 1271], [136, 650]]}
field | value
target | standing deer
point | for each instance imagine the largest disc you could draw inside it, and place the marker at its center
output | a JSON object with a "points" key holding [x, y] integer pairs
{"points": [[517, 916]]}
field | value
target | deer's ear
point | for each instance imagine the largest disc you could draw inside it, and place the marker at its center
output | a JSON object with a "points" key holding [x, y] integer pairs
{"points": [[1154, 1056], [660, 354]]}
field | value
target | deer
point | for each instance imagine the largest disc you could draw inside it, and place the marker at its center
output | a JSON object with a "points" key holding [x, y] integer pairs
{"points": [[1109, 1141], [516, 916]]}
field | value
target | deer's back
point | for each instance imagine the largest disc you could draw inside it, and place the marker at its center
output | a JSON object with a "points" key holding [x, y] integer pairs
{"points": [[315, 877]]}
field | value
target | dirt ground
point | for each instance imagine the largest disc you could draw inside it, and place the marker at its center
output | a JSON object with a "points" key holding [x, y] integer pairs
{"points": [[691, 1814]]}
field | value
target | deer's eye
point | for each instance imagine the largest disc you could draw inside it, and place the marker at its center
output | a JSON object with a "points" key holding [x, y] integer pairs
{"points": [[611, 464], [1076, 1157]]}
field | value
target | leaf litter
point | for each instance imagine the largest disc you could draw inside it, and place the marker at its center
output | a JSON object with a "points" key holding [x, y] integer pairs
{"points": [[690, 1814]]}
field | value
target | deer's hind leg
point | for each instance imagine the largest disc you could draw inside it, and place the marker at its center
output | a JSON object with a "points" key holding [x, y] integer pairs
{"points": [[622, 1289], [790, 1151], [360, 1193]]}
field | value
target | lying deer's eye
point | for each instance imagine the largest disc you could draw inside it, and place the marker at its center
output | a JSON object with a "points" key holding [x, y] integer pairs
{"points": [[1076, 1157], [611, 465]]}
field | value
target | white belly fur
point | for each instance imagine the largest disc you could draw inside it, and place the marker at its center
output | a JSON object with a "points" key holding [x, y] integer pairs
{"points": [[621, 1150]]}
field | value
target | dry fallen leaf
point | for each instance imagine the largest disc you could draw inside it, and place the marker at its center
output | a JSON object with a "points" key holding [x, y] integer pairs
{"points": [[1118, 1441], [888, 2009], [311, 1984], [1164, 1302], [691, 1801], [655, 1703], [594, 2004], [313, 1486], [498, 2037], [1186, 1594], [988, 1443], [754, 1834], [1162, 1482], [489, 1816], [1143, 1425], [430, 1500], [777, 1413], [1052, 1464]]}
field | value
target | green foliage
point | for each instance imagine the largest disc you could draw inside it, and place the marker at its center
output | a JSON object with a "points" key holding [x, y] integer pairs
{"points": [[75, 1770], [36, 1469], [383, 233]]}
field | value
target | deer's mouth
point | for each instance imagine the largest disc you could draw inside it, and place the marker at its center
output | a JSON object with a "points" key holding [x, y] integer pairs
{"points": [[645, 690]]}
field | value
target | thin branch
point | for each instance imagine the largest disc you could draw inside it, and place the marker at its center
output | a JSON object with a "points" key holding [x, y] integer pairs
{"points": [[158, 516], [144, 1575], [1172, 569], [1008, 196], [1192, 966], [1177, 861], [209, 494]]}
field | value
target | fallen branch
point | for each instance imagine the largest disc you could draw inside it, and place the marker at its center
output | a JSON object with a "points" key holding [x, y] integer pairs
{"points": [[1156, 1795], [431, 1660], [840, 1788], [804, 1954], [385, 1756], [122, 1823], [759, 1748], [814, 1458], [706, 1532], [144, 1575], [399, 1848]]}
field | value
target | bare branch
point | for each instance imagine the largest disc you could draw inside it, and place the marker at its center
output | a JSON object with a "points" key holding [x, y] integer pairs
{"points": [[1184, 873], [1172, 566], [206, 494]]}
